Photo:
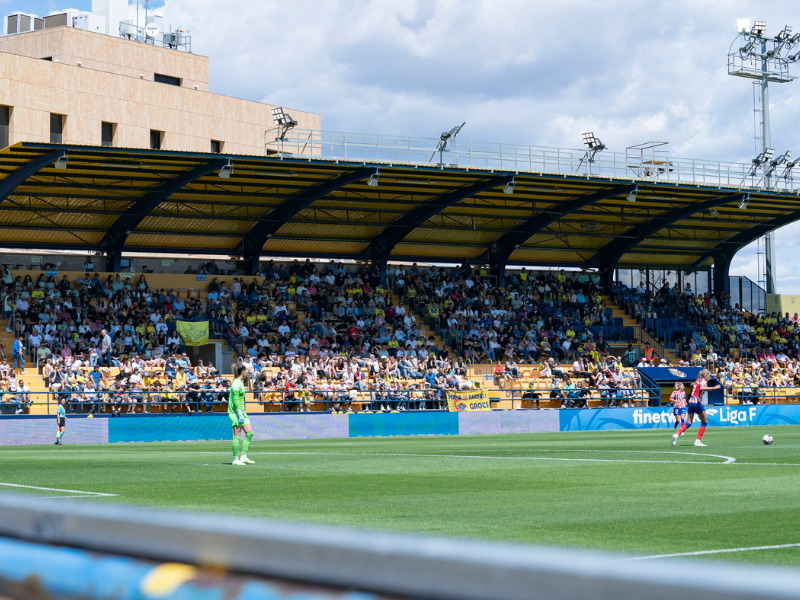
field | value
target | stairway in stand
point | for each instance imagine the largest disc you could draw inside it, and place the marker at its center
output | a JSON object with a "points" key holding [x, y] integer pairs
{"points": [[629, 321], [32, 378]]}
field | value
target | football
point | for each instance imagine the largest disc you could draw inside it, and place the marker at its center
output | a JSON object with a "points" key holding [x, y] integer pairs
{"points": [[767, 439]]}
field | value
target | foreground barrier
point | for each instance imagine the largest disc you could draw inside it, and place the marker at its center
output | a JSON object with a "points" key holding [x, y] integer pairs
{"points": [[276, 426], [358, 562]]}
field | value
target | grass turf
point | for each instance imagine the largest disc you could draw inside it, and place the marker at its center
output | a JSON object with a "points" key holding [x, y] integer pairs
{"points": [[624, 491]]}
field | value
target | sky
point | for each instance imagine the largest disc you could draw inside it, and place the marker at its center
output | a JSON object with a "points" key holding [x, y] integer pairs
{"points": [[517, 71]]}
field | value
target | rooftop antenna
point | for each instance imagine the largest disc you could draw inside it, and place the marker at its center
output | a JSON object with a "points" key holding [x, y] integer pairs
{"points": [[446, 136], [755, 56]]}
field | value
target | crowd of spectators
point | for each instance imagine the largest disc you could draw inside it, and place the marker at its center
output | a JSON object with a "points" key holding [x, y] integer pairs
{"points": [[749, 353], [313, 331]]}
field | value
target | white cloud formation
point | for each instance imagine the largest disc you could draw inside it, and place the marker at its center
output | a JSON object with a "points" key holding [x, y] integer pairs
{"points": [[516, 71]]}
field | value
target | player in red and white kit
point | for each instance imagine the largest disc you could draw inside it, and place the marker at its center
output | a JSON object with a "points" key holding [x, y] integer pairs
{"points": [[696, 407], [678, 399]]}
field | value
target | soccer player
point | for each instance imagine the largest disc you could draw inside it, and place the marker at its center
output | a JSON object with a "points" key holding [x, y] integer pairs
{"points": [[678, 398], [695, 407], [61, 420], [238, 417]]}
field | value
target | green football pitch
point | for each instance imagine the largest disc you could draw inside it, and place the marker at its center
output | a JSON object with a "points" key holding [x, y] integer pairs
{"points": [[626, 491]]}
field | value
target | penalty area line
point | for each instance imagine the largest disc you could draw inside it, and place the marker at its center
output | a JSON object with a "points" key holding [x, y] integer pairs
{"points": [[704, 552], [47, 489]]}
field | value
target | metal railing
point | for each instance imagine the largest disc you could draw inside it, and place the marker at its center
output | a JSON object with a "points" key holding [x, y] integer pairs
{"points": [[335, 145], [175, 40]]}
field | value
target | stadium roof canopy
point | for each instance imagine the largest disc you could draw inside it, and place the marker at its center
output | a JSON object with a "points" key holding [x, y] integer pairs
{"points": [[116, 200]]}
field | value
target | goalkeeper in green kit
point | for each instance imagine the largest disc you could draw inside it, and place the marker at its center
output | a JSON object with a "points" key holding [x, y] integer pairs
{"points": [[239, 419]]}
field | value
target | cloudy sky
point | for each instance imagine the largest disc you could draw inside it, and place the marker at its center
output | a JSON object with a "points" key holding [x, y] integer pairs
{"points": [[517, 71]]}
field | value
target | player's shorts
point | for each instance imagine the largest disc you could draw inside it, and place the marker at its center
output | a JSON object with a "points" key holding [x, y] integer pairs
{"points": [[235, 420], [679, 411], [62, 422], [695, 408]]}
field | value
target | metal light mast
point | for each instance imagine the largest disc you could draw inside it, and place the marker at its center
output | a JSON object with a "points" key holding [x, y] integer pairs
{"points": [[763, 59]]}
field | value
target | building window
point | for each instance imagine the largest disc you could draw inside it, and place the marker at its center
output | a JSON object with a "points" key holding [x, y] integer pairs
{"points": [[168, 79], [156, 138], [5, 126], [107, 134], [56, 128], [216, 146]]}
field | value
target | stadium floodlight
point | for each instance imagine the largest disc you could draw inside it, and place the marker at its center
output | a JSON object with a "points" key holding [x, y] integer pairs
{"points": [[774, 164], [784, 35], [632, 196], [764, 157], [509, 188], [743, 25], [714, 213], [226, 171], [283, 120], [743, 203], [747, 48], [794, 57], [61, 163], [759, 28], [593, 146], [373, 180], [447, 136], [787, 169], [795, 38], [592, 142]]}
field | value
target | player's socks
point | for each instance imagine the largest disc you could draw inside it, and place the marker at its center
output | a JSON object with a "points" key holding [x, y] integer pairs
{"points": [[236, 446], [700, 432], [246, 444], [682, 429], [676, 424]]}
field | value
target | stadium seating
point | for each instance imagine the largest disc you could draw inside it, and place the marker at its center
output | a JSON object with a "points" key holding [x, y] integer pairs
{"points": [[321, 333]]}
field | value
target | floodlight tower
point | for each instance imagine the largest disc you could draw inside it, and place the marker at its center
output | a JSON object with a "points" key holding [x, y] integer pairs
{"points": [[763, 59]]}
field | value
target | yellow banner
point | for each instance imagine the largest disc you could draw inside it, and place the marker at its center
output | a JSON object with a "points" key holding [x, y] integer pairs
{"points": [[468, 401], [194, 333]]}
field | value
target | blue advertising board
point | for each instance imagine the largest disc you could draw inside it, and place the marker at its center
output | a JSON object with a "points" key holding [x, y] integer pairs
{"points": [[683, 374], [662, 418]]}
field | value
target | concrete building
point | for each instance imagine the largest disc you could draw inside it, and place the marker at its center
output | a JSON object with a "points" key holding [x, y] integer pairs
{"points": [[74, 86]]}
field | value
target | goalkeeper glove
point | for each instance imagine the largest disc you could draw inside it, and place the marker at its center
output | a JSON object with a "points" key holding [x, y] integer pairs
{"points": [[241, 417]]}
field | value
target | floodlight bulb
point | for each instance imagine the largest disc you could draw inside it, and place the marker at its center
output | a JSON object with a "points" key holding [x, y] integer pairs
{"points": [[225, 172], [743, 25], [373, 180], [509, 188], [714, 213], [743, 203], [632, 195], [61, 163]]}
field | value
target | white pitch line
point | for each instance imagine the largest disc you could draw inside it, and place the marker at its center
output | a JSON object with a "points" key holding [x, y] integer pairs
{"points": [[71, 497], [703, 552], [47, 489], [728, 459]]}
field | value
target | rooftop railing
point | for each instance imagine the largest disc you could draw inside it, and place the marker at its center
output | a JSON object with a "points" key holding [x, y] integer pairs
{"points": [[638, 166]]}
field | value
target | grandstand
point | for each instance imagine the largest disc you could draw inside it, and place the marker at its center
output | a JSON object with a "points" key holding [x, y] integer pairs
{"points": [[393, 224]]}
